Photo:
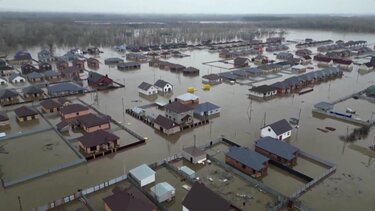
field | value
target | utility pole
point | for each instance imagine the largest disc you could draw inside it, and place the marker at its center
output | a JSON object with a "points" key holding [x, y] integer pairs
{"points": [[19, 202], [123, 111], [264, 120]]}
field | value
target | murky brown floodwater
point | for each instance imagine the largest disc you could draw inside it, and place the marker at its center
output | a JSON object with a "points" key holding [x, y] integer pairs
{"points": [[350, 188]]}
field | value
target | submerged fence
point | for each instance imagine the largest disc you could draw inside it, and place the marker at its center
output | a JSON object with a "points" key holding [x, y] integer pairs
{"points": [[79, 194]]}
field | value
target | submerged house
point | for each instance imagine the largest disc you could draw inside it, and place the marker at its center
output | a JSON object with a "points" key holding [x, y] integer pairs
{"points": [[147, 89], [65, 88], [25, 114], [91, 123], [166, 125], [79, 63], [44, 66], [194, 154], [20, 58], [128, 66], [32, 92], [113, 61], [284, 56], [201, 198], [61, 64], [277, 150], [73, 111], [51, 75], [34, 77], [93, 63], [50, 106], [98, 80], [16, 78], [263, 91], [8, 95], [3, 81], [247, 161], [206, 110], [136, 57], [6, 70], [241, 62], [28, 68], [211, 79], [98, 142], [45, 56], [70, 72], [163, 86], [279, 130], [191, 71], [130, 199], [187, 99], [179, 113]]}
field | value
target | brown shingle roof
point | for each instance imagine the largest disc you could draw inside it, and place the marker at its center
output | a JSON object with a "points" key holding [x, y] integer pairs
{"points": [[130, 199], [91, 120], [165, 122], [25, 111], [97, 138], [201, 198], [50, 104], [178, 107], [73, 108]]}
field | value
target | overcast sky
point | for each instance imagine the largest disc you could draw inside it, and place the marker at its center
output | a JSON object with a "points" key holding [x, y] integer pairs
{"points": [[195, 6]]}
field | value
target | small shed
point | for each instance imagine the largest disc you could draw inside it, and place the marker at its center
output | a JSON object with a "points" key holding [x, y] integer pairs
{"points": [[143, 174], [163, 192], [194, 154], [187, 171]]}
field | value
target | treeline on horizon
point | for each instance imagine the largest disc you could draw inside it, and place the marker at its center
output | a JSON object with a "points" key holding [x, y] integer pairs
{"points": [[23, 30]]}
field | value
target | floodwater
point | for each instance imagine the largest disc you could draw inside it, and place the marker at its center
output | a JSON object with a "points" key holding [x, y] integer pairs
{"points": [[350, 188]]}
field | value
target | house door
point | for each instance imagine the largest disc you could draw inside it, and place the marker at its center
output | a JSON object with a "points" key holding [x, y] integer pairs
{"points": [[280, 137], [191, 159]]}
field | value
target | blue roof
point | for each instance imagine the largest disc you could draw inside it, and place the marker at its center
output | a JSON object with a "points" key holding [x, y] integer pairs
{"points": [[247, 157], [277, 147], [162, 188], [187, 170], [205, 107], [64, 87], [142, 172]]}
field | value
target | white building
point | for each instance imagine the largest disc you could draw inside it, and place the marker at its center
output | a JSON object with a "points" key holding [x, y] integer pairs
{"points": [[147, 89], [15, 78], [187, 99], [143, 174], [278, 130], [163, 86], [3, 81]]}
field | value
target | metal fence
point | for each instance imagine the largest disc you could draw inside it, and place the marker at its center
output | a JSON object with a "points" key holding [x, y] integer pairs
{"points": [[79, 194], [9, 183]]}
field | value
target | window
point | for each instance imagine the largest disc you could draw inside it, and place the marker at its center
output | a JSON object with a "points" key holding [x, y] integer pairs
{"points": [[243, 166], [77, 113], [269, 129]]}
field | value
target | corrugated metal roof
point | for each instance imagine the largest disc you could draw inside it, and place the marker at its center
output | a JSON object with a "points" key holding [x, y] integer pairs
{"points": [[277, 147], [247, 157]]}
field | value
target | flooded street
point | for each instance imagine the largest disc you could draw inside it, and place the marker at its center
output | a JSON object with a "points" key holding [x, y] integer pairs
{"points": [[350, 188]]}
